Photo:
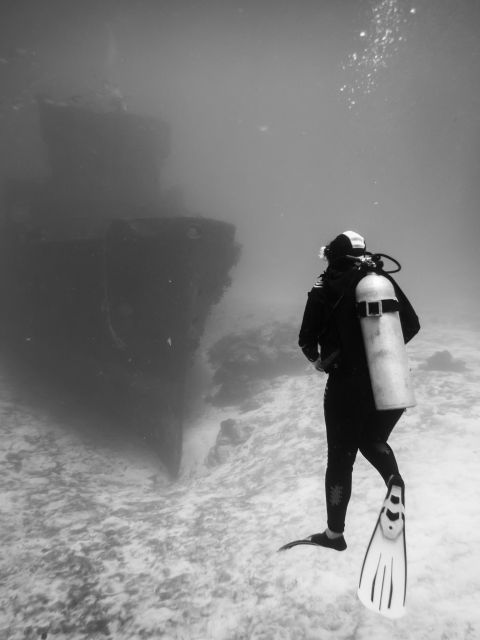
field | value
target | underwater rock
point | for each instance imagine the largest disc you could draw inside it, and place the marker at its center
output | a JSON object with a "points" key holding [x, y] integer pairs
{"points": [[232, 433], [444, 361], [244, 361]]}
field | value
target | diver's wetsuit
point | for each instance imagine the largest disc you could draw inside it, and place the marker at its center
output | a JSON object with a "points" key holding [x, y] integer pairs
{"points": [[352, 421]]}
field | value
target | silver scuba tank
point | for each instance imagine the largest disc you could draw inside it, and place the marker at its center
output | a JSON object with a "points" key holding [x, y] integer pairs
{"points": [[384, 344]]}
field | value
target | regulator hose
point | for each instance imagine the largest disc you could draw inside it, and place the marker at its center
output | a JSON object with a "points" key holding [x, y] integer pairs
{"points": [[377, 259]]}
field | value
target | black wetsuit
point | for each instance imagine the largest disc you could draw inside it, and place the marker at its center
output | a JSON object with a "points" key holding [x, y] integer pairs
{"points": [[353, 423]]}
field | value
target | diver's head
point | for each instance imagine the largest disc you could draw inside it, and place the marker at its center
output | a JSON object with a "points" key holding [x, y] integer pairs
{"points": [[348, 243]]}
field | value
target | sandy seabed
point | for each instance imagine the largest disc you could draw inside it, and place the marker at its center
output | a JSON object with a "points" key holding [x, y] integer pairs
{"points": [[97, 543]]}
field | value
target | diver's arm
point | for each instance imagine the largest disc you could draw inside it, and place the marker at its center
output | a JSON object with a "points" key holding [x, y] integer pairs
{"points": [[312, 324], [408, 318]]}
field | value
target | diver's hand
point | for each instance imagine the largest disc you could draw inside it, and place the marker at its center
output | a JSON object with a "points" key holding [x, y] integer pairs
{"points": [[326, 364]]}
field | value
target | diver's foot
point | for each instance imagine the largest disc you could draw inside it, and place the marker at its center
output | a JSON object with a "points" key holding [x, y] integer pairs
{"points": [[324, 540], [397, 480]]}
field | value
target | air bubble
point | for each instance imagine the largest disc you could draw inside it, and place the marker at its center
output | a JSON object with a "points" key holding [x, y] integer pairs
{"points": [[381, 43]]}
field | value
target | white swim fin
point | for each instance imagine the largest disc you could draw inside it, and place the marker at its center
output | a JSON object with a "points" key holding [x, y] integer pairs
{"points": [[383, 579]]}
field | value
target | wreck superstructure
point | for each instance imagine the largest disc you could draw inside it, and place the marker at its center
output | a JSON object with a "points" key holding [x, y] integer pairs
{"points": [[109, 282]]}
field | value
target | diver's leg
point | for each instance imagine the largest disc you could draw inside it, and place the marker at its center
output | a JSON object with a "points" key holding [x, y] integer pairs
{"points": [[338, 487], [374, 446], [342, 451]]}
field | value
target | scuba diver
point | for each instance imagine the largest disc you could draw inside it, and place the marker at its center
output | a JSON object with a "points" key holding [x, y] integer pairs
{"points": [[331, 338]]}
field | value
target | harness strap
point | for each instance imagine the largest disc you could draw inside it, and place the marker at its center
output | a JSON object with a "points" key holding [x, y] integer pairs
{"points": [[375, 308]]}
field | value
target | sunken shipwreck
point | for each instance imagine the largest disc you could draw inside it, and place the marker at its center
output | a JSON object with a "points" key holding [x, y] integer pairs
{"points": [[107, 280]]}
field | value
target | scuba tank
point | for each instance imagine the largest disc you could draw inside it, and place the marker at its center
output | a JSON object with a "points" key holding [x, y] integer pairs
{"points": [[378, 311]]}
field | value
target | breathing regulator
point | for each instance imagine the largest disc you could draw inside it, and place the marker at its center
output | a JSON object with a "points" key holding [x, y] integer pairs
{"points": [[368, 261], [373, 262]]}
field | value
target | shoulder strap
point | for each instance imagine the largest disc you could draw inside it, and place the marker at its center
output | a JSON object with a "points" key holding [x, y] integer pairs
{"points": [[333, 307], [347, 289]]}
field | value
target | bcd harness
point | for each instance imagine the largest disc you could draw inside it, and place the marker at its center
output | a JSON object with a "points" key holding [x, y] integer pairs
{"points": [[372, 308], [375, 308]]}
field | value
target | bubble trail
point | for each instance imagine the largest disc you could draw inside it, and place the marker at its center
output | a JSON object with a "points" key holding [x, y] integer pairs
{"points": [[379, 42]]}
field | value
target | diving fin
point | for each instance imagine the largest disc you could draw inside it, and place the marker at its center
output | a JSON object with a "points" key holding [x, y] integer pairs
{"points": [[319, 540], [383, 579], [295, 543]]}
